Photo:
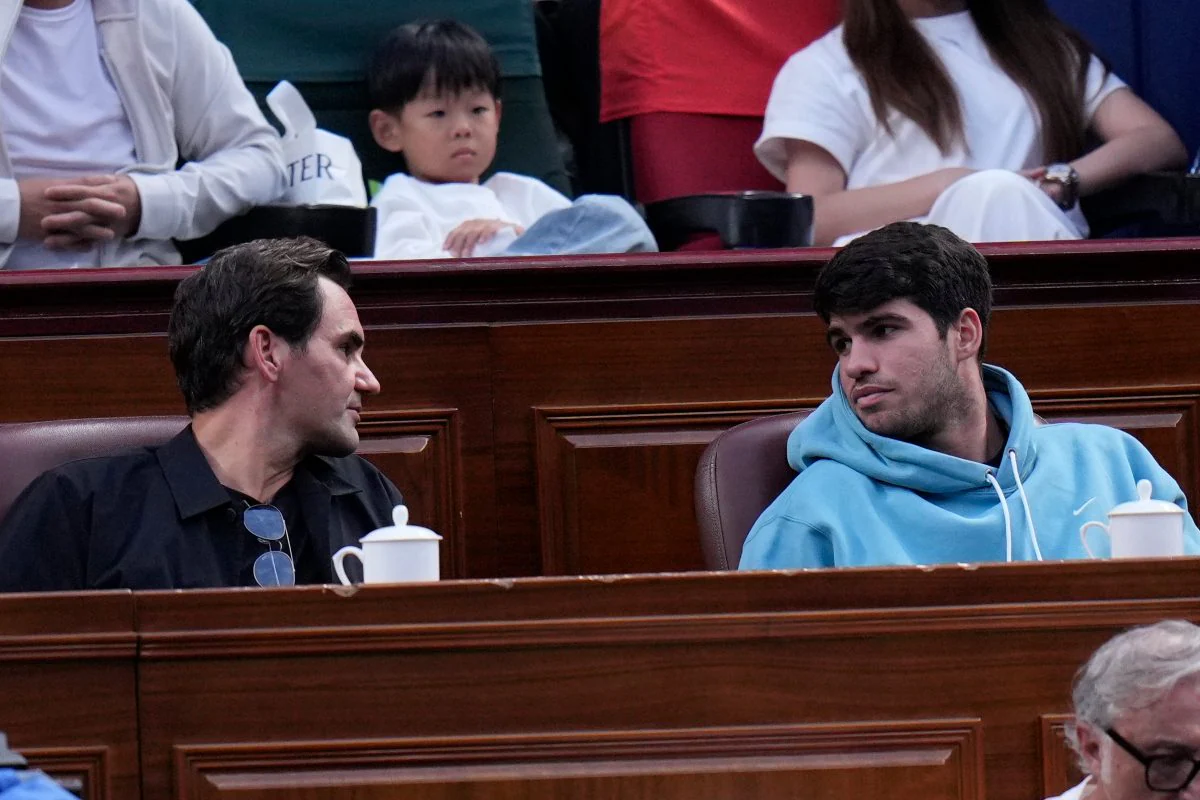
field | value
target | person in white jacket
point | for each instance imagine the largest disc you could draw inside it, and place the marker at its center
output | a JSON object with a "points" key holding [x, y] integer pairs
{"points": [[1137, 716], [435, 95], [124, 124]]}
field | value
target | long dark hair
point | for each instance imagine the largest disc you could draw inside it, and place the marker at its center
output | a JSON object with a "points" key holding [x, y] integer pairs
{"points": [[1043, 55]]}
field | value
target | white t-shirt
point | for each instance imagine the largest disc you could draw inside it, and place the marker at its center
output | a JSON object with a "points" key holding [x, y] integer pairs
{"points": [[819, 96], [62, 113], [1074, 793], [414, 217]]}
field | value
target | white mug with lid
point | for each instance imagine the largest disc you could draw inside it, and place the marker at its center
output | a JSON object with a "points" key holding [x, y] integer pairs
{"points": [[400, 553], [1143, 528]]}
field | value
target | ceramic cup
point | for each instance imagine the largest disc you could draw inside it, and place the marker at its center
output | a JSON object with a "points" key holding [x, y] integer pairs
{"points": [[400, 553], [1144, 528]]}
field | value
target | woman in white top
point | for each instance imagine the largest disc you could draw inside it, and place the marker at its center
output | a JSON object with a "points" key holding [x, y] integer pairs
{"points": [[973, 114]]}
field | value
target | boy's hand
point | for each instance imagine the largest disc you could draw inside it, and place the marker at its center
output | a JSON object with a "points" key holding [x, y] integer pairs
{"points": [[462, 241]]}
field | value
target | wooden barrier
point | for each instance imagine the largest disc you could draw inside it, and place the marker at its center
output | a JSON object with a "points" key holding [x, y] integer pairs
{"points": [[546, 414], [68, 688], [946, 683]]}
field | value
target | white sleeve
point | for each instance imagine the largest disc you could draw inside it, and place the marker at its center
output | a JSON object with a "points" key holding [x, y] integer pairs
{"points": [[808, 102], [403, 228], [1100, 84], [525, 200], [234, 159], [10, 211]]}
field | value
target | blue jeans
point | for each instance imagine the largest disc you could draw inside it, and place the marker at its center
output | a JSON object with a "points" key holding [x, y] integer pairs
{"points": [[594, 223]]}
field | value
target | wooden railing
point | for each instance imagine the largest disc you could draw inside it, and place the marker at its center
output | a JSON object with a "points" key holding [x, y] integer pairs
{"points": [[943, 683]]}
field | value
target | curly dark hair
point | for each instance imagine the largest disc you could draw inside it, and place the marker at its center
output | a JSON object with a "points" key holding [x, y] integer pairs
{"points": [[926, 264]]}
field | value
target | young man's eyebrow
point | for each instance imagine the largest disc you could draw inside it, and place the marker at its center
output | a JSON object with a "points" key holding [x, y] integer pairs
{"points": [[835, 331], [878, 319]]}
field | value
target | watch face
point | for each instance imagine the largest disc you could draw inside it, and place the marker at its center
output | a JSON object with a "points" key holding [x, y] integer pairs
{"points": [[1063, 173], [1066, 177]]}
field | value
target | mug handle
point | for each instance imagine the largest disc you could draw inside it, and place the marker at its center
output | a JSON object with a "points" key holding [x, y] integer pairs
{"points": [[357, 551], [1082, 535]]}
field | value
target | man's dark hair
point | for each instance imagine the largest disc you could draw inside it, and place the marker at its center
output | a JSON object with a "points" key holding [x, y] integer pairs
{"points": [[925, 264], [443, 56], [271, 282]]}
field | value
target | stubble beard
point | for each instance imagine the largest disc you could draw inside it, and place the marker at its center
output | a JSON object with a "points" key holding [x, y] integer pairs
{"points": [[335, 442], [945, 402]]}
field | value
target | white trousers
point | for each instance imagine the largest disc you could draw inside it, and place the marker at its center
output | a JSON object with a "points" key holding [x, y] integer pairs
{"points": [[996, 205]]}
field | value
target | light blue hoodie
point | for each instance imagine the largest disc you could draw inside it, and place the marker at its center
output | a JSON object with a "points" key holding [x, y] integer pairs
{"points": [[863, 499]]}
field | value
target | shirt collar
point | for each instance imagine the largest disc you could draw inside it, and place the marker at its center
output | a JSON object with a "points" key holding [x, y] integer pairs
{"points": [[327, 473], [192, 482], [197, 490]]}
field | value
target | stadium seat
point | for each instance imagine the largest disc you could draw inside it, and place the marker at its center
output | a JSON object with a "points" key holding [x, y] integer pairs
{"points": [[27, 449]]}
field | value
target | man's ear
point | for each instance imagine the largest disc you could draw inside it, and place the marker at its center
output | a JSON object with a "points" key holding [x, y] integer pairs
{"points": [[969, 330], [263, 353], [499, 108], [386, 130], [1091, 747]]}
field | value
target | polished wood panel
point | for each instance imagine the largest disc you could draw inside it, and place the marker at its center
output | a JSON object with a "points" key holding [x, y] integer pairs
{"points": [[83, 771], [68, 697], [644, 457], [1060, 765], [941, 678], [940, 759], [948, 682], [563, 402]]}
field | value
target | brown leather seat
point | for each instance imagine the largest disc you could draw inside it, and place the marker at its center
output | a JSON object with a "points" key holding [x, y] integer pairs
{"points": [[27, 449], [740, 473]]}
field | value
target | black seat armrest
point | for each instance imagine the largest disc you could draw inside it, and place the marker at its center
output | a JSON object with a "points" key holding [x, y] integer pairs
{"points": [[740, 219], [345, 228], [1162, 198]]}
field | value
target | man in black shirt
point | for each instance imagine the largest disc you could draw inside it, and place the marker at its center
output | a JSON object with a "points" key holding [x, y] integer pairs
{"points": [[263, 486]]}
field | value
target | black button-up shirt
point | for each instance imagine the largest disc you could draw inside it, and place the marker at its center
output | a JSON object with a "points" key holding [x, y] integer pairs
{"points": [[158, 518]]}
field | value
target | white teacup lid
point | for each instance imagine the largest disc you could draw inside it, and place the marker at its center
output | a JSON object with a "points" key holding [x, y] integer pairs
{"points": [[1144, 505], [400, 530]]}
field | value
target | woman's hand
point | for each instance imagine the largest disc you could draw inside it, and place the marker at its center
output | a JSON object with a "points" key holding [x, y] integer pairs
{"points": [[1053, 189]]}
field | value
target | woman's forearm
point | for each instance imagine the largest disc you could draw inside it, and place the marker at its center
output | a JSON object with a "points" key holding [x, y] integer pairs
{"points": [[1134, 152], [838, 213]]}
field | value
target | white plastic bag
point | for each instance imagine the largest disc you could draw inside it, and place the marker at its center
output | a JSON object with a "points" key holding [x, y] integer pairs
{"points": [[322, 167]]}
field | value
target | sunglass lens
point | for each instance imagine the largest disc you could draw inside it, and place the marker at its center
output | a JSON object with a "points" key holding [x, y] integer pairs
{"points": [[274, 568], [265, 522]]}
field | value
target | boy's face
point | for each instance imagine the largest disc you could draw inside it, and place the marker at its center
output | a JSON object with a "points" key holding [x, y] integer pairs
{"points": [[445, 138]]}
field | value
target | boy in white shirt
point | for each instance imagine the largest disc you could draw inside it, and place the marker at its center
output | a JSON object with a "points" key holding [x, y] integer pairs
{"points": [[435, 95]]}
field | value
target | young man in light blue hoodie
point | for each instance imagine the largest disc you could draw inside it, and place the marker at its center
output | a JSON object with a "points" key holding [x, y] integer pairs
{"points": [[923, 454]]}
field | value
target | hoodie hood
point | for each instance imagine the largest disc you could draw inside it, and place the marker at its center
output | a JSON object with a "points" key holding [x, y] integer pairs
{"points": [[834, 432]]}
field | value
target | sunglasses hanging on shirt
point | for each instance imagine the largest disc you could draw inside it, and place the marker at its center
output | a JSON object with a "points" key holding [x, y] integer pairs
{"points": [[274, 567]]}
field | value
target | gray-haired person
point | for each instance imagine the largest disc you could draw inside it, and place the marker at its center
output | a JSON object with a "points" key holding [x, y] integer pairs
{"points": [[1137, 716]]}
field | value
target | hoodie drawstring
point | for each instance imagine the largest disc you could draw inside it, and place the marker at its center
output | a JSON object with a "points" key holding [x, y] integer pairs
{"points": [[1008, 545], [1037, 550], [1007, 520]]}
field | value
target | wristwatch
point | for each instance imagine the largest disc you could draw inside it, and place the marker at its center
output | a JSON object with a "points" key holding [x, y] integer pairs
{"points": [[1066, 177]]}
